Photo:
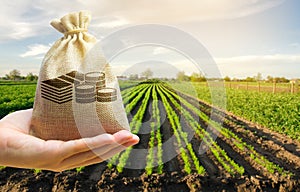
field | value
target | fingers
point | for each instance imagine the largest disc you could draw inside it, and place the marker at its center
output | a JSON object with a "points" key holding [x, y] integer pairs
{"points": [[122, 135], [99, 159], [73, 147], [92, 153], [87, 156], [107, 151], [103, 157], [82, 145]]}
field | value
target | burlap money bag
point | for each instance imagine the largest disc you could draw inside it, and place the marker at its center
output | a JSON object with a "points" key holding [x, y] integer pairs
{"points": [[77, 95]]}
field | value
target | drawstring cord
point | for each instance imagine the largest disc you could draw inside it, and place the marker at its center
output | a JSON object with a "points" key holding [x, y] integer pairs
{"points": [[75, 31]]}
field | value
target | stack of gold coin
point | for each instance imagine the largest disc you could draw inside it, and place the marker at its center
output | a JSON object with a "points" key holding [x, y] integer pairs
{"points": [[106, 94], [95, 78], [85, 93]]}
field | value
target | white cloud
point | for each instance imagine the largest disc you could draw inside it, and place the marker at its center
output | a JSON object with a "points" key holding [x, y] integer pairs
{"points": [[295, 45], [110, 24], [27, 18], [275, 65], [177, 10], [22, 30], [36, 50], [11, 21], [259, 58]]}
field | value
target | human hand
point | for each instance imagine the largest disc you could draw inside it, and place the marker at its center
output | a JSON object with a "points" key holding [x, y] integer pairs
{"points": [[20, 149]]}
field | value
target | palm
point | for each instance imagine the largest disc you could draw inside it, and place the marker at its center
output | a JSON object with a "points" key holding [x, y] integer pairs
{"points": [[26, 151]]}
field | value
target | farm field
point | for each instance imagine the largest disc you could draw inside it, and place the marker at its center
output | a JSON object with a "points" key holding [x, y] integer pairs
{"points": [[16, 97], [182, 148], [279, 112], [266, 87]]}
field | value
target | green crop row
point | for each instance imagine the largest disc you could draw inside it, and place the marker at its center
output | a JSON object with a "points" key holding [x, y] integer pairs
{"points": [[180, 135], [229, 164], [130, 93], [135, 125], [279, 112], [243, 146], [155, 134], [158, 133], [138, 95]]}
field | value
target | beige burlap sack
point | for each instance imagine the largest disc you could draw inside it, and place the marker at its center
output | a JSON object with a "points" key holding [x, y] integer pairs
{"points": [[77, 94]]}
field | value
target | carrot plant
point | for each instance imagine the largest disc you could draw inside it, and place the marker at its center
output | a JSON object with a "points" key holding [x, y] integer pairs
{"points": [[229, 165], [154, 135], [180, 135], [279, 112], [243, 146], [135, 125]]}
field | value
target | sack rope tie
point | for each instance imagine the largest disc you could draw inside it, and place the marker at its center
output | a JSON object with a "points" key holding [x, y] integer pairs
{"points": [[75, 31]]}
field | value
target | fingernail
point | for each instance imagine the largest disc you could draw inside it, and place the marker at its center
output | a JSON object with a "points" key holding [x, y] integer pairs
{"points": [[135, 137]]}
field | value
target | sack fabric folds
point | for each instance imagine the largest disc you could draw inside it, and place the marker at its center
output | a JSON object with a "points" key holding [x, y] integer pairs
{"points": [[77, 95]]}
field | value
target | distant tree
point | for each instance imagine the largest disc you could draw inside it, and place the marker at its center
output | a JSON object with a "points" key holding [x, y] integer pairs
{"points": [[284, 80], [249, 79], [133, 77], [258, 77], [196, 77], [270, 79], [13, 75], [147, 73], [165, 79], [227, 79], [31, 77], [182, 77], [281, 80]]}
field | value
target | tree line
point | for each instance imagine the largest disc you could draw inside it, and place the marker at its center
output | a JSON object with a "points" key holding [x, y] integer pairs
{"points": [[197, 77], [258, 78], [181, 76], [15, 75]]}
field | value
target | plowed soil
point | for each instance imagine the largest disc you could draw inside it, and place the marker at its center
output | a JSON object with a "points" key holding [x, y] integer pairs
{"points": [[275, 147]]}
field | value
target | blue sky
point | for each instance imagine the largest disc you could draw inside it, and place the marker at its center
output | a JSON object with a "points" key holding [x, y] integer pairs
{"points": [[243, 37]]}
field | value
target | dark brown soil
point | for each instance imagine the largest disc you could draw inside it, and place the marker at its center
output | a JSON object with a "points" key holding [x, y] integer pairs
{"points": [[275, 147], [27, 181]]}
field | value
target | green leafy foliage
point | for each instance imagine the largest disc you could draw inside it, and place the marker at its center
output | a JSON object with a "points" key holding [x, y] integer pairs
{"points": [[279, 112], [136, 123], [16, 97], [243, 146]]}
